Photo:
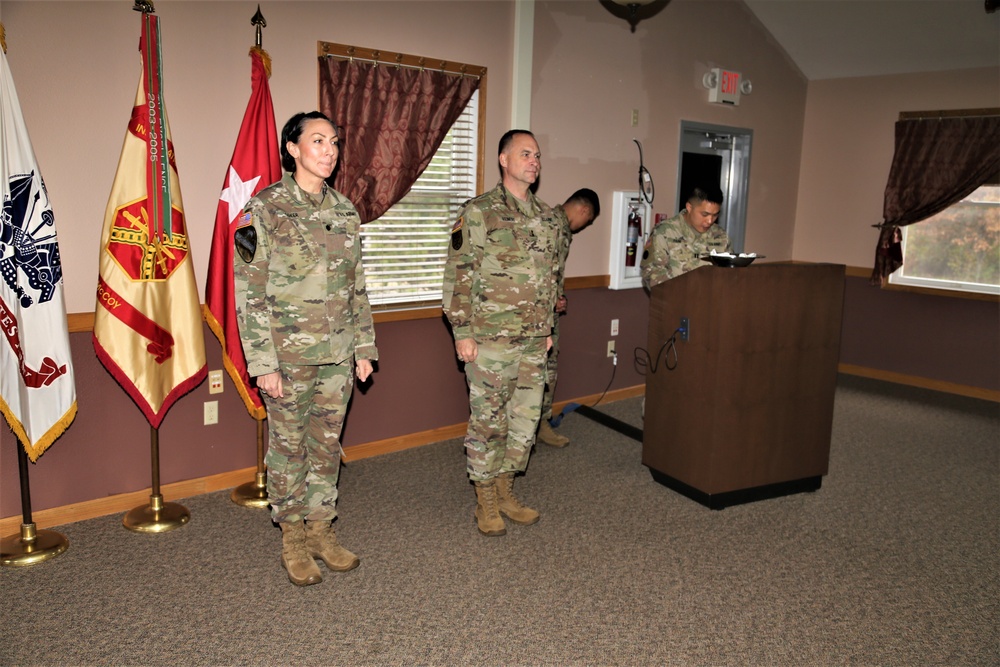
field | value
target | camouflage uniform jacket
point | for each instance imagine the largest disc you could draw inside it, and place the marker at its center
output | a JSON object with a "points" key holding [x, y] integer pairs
{"points": [[500, 278], [302, 298], [675, 247], [562, 249]]}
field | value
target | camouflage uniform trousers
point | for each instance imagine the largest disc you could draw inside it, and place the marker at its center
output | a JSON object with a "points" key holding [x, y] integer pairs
{"points": [[303, 452], [551, 373], [505, 394]]}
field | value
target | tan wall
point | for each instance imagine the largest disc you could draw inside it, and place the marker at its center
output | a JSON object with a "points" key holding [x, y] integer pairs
{"points": [[590, 72], [847, 151], [76, 66]]}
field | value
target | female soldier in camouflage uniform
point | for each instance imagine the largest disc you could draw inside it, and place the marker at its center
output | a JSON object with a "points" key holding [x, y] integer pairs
{"points": [[306, 328]]}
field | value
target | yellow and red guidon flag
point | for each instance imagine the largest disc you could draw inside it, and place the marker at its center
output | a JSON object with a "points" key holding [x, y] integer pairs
{"points": [[147, 325], [37, 391], [255, 165]]}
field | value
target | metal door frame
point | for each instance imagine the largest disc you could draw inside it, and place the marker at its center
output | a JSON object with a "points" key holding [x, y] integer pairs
{"points": [[736, 171]]}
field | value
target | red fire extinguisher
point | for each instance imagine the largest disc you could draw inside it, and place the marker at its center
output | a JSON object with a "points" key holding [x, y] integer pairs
{"points": [[632, 235]]}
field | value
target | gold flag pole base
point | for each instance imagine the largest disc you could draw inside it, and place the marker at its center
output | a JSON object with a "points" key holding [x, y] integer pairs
{"points": [[31, 546], [252, 494], [156, 517]]}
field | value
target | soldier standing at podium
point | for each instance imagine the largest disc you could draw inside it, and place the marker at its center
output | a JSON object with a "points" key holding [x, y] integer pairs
{"points": [[677, 244]]}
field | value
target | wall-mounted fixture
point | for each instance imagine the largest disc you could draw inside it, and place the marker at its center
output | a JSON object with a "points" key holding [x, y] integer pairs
{"points": [[633, 9], [725, 86], [631, 225]]}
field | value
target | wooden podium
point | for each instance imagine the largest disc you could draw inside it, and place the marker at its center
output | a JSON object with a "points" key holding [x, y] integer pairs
{"points": [[747, 412]]}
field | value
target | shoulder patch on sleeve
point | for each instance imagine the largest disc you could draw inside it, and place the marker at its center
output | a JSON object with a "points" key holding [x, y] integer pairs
{"points": [[456, 233], [245, 238]]}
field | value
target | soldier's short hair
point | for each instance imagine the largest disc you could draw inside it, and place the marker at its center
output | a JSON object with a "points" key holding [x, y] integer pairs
{"points": [[711, 194], [588, 197], [508, 138], [293, 130]]}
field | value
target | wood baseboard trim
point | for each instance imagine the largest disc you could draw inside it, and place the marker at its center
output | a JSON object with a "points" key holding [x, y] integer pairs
{"points": [[923, 383], [409, 441], [610, 397], [123, 502]]}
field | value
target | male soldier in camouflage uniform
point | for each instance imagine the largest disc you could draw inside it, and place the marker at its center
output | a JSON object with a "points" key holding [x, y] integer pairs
{"points": [[499, 296], [677, 245], [306, 328], [574, 215]]}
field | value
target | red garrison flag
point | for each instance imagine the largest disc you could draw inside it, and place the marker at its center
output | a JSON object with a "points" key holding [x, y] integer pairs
{"points": [[147, 325], [37, 389], [255, 165]]}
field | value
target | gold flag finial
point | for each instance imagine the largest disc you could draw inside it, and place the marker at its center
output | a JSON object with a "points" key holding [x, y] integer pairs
{"points": [[3, 38], [258, 21], [144, 6]]}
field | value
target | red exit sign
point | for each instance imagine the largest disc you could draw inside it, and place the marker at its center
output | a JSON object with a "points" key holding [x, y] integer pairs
{"points": [[726, 86], [730, 82]]}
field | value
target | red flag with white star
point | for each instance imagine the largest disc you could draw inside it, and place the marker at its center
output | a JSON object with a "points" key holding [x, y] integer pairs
{"points": [[255, 165]]}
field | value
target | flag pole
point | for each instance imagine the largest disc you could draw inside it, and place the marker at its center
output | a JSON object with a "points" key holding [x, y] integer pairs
{"points": [[254, 494], [31, 546], [157, 516]]}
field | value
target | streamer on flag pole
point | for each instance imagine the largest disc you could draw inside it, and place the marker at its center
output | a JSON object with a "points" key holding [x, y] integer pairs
{"points": [[147, 325]]}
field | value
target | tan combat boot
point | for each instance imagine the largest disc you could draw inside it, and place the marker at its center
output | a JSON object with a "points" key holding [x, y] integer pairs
{"points": [[487, 512], [302, 569], [321, 542], [510, 505], [550, 437]]}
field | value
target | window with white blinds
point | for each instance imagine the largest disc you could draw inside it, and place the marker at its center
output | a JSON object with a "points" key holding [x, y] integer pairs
{"points": [[404, 251]]}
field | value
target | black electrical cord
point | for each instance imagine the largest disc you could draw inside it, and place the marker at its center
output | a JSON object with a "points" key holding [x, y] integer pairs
{"points": [[614, 369], [642, 359], [645, 180], [570, 407]]}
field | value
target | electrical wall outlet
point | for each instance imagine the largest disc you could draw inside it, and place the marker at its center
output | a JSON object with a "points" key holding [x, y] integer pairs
{"points": [[211, 412], [614, 327], [215, 382], [685, 329], [611, 348]]}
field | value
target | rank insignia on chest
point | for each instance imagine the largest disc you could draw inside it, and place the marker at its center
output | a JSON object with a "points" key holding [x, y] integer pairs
{"points": [[456, 233]]}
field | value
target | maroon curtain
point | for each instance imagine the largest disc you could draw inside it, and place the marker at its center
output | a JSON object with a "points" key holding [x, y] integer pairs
{"points": [[392, 120], [938, 161]]}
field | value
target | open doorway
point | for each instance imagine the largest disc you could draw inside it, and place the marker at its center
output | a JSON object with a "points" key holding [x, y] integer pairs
{"points": [[717, 154]]}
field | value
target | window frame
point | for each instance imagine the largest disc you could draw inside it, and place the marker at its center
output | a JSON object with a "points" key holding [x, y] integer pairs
{"points": [[899, 280], [420, 309], [381, 237]]}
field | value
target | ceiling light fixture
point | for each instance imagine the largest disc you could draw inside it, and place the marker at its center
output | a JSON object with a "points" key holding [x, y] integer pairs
{"points": [[633, 9]]}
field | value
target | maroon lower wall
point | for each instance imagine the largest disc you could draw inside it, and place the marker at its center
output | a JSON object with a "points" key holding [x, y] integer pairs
{"points": [[927, 336], [419, 386]]}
